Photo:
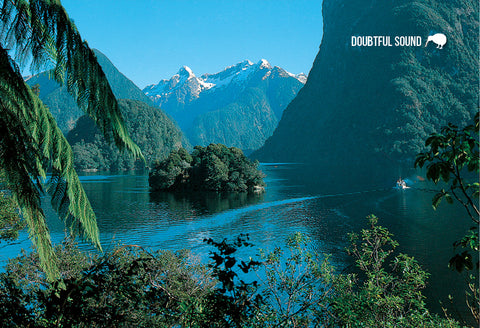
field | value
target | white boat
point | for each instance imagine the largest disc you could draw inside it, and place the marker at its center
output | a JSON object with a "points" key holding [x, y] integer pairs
{"points": [[401, 184]]}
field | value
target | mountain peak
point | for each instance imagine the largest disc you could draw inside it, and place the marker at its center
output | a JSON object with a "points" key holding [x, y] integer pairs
{"points": [[185, 71], [237, 74], [263, 63], [302, 77]]}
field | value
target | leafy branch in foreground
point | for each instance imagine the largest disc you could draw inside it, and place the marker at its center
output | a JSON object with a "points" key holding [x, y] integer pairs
{"points": [[130, 286], [451, 153], [386, 293], [41, 30], [10, 221], [296, 286], [453, 157], [31, 144], [234, 302]]}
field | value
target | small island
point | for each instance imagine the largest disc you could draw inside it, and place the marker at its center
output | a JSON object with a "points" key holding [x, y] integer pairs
{"points": [[214, 168]]}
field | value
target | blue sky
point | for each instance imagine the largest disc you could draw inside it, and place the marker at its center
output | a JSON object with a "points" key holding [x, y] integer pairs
{"points": [[149, 40]]}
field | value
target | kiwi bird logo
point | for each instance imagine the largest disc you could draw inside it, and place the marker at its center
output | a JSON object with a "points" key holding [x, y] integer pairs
{"points": [[439, 39]]}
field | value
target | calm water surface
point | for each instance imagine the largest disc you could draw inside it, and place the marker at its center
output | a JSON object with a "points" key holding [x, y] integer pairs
{"points": [[296, 200]]}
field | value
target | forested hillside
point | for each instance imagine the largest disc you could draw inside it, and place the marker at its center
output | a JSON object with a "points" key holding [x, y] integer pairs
{"points": [[149, 127]]}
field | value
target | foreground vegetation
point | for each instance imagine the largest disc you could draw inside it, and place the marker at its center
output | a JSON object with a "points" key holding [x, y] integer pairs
{"points": [[452, 160], [41, 33], [215, 168], [284, 287], [133, 287]]}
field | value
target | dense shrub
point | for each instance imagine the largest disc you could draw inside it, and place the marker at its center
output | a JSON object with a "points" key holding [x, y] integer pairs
{"points": [[131, 287], [127, 287]]}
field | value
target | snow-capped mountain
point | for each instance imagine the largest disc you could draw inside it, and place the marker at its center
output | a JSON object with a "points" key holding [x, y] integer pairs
{"points": [[239, 106], [183, 80], [187, 83]]}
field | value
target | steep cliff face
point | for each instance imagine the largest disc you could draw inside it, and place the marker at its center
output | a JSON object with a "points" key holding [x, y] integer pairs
{"points": [[376, 105]]}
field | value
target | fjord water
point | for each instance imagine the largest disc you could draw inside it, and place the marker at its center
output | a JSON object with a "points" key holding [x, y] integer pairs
{"points": [[294, 201]]}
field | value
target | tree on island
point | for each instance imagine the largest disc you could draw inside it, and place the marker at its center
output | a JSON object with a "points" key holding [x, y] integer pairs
{"points": [[41, 33], [215, 167]]}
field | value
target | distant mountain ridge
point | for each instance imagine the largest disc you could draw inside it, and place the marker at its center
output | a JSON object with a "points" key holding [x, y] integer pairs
{"points": [[64, 107], [233, 74], [239, 106]]}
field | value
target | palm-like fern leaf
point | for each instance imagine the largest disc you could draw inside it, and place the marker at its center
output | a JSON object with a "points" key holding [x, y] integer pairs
{"points": [[41, 30], [31, 144], [24, 125]]}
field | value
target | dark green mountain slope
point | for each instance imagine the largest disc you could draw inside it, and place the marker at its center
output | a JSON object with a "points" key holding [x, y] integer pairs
{"points": [[149, 127], [364, 108], [244, 123], [122, 87], [62, 105]]}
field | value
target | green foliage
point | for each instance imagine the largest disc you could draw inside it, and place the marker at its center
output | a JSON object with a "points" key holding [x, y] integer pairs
{"points": [[215, 168], [31, 141], [452, 157], [130, 286], [56, 97], [122, 87], [64, 107], [387, 294], [150, 128], [295, 284], [451, 153], [33, 144], [233, 303], [42, 31], [10, 222], [126, 287]]}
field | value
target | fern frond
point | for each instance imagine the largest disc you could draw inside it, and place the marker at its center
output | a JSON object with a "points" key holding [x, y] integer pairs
{"points": [[30, 145], [41, 30]]}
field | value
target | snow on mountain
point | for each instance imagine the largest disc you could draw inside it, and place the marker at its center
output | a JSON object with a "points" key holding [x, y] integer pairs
{"points": [[184, 75], [302, 77], [239, 106], [237, 74], [263, 63]]}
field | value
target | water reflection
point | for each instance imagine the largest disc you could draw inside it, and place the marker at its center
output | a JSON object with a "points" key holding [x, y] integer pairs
{"points": [[203, 203]]}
